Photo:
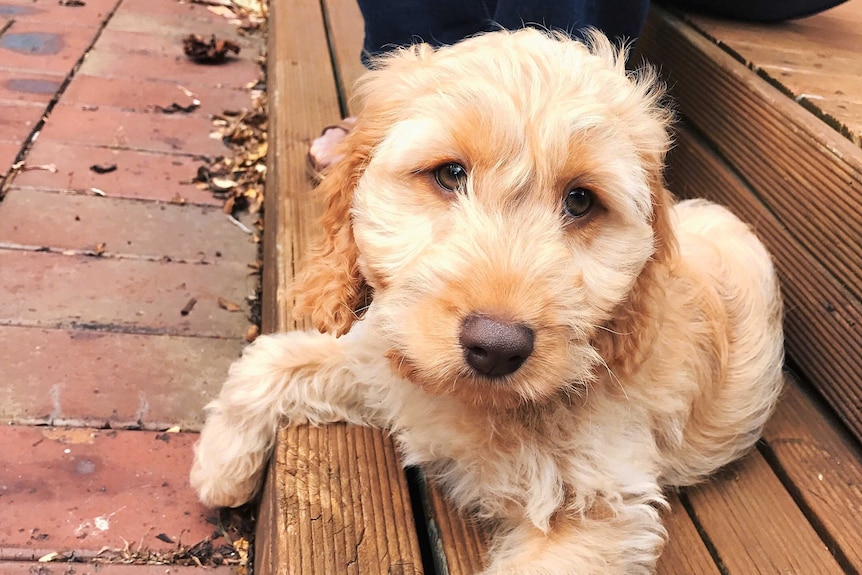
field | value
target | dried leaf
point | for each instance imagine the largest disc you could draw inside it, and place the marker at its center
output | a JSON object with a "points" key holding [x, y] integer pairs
{"points": [[175, 108], [222, 184], [49, 557], [251, 333], [228, 305], [214, 51], [222, 10]]}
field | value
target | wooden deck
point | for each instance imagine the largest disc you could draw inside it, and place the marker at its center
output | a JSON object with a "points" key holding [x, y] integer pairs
{"points": [[336, 500]]}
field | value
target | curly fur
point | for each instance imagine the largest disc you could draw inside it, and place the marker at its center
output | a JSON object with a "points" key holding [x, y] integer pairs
{"points": [[658, 342]]}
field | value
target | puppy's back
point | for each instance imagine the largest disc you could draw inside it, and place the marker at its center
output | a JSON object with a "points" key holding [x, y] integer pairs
{"points": [[728, 416]]}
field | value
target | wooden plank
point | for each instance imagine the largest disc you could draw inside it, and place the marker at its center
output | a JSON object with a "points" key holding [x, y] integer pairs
{"points": [[685, 552], [800, 178], [336, 499], [755, 526], [781, 150], [816, 59], [457, 543], [824, 467], [346, 33]]}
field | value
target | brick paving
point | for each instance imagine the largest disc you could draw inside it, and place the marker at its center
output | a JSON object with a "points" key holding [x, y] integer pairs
{"points": [[96, 359]]}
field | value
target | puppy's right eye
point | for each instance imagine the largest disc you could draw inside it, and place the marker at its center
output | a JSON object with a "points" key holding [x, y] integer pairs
{"points": [[451, 177]]}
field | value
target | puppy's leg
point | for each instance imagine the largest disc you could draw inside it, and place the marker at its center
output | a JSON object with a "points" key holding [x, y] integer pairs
{"points": [[623, 541], [298, 375]]}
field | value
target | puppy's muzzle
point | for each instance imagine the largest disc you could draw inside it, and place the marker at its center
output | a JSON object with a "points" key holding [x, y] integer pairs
{"points": [[495, 348]]}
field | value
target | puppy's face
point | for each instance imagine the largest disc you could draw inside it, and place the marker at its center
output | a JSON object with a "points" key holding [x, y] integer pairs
{"points": [[504, 210]]}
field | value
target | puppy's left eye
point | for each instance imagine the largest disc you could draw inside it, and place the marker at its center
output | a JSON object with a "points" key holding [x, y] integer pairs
{"points": [[578, 202], [452, 177]]}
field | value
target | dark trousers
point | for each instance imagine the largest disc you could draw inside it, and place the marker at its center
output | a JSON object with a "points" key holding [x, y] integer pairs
{"points": [[393, 23]]}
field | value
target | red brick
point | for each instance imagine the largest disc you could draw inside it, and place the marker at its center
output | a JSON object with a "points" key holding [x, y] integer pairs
{"points": [[17, 121], [144, 95], [233, 73], [49, 12], [34, 568], [168, 41], [164, 19], [84, 489], [187, 11], [121, 295], [78, 222], [71, 43], [8, 153], [87, 378], [132, 130], [139, 175], [21, 86]]}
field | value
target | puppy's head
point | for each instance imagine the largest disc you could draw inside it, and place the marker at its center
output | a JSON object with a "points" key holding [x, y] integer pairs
{"points": [[502, 199]]}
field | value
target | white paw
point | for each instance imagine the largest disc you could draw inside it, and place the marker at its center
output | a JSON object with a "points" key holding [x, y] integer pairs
{"points": [[216, 489], [228, 465]]}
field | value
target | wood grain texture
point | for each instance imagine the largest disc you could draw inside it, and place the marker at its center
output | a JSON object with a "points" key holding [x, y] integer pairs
{"points": [[755, 525], [685, 552], [817, 59], [799, 183], [346, 33], [782, 150], [458, 545], [823, 466], [336, 498]]}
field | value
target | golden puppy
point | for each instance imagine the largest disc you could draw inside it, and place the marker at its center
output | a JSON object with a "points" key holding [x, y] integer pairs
{"points": [[505, 284]]}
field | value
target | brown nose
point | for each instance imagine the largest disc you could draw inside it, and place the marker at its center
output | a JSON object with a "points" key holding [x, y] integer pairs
{"points": [[495, 348]]}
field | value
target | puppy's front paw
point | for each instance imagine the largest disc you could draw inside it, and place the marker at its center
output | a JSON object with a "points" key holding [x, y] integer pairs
{"points": [[217, 490], [226, 472]]}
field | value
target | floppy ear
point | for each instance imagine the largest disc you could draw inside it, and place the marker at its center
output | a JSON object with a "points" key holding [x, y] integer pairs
{"points": [[330, 288], [626, 339]]}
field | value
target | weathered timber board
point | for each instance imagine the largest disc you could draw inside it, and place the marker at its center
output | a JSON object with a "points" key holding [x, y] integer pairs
{"points": [[457, 543], [784, 152], [822, 465], [346, 32], [336, 499], [817, 59], [685, 552], [755, 525], [798, 183]]}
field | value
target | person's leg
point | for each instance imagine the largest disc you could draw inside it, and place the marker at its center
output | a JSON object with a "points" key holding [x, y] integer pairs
{"points": [[756, 10], [621, 20], [393, 23]]}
